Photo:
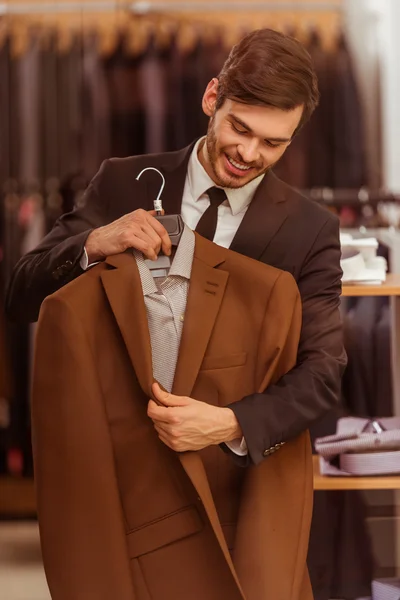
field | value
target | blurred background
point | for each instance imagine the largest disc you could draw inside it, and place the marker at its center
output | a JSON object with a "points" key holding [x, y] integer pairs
{"points": [[81, 81]]}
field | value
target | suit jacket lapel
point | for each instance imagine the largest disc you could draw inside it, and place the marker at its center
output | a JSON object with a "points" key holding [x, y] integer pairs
{"points": [[264, 217], [125, 295], [207, 287]]}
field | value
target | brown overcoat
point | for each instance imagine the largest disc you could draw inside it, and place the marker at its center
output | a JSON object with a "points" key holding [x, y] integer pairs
{"points": [[121, 515]]}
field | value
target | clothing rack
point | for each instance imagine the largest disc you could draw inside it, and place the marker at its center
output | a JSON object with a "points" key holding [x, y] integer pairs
{"points": [[142, 7], [351, 197]]}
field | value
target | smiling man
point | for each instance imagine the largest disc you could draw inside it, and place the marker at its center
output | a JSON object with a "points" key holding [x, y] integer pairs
{"points": [[224, 187]]}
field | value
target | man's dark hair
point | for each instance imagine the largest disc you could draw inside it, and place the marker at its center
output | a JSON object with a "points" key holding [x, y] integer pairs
{"points": [[268, 68]]}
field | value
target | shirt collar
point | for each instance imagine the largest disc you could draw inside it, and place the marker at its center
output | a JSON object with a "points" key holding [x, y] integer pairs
{"points": [[199, 182], [181, 265]]}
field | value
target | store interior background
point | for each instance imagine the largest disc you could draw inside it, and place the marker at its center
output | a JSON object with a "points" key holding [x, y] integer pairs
{"points": [[130, 109]]}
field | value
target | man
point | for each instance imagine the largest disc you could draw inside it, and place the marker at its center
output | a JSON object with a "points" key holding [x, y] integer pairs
{"points": [[265, 92]]}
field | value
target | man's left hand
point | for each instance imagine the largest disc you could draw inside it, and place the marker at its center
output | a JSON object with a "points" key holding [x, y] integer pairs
{"points": [[183, 423]]}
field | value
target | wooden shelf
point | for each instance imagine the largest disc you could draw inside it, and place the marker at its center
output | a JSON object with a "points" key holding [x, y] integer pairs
{"points": [[322, 482], [390, 287], [17, 496]]}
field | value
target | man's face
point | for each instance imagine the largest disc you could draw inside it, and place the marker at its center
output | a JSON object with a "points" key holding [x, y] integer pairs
{"points": [[244, 141]]}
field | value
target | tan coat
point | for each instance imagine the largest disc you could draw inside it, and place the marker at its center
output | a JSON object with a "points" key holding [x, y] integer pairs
{"points": [[122, 516]]}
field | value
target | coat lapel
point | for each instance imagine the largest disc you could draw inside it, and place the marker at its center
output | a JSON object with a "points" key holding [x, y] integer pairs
{"points": [[264, 217], [125, 295], [206, 291]]}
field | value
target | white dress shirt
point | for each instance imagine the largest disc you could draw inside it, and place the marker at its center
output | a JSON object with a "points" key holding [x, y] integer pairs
{"points": [[195, 200]]}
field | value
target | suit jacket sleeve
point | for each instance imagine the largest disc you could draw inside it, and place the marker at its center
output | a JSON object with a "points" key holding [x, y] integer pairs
{"points": [[80, 517], [55, 261], [312, 387]]}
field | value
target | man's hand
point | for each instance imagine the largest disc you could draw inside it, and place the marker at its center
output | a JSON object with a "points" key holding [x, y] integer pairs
{"points": [[138, 229], [183, 423]]}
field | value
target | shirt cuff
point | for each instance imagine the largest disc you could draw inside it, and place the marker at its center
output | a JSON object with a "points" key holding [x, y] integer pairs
{"points": [[238, 446], [84, 262]]}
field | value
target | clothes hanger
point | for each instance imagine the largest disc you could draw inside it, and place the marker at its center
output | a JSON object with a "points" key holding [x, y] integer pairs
{"points": [[172, 223]]}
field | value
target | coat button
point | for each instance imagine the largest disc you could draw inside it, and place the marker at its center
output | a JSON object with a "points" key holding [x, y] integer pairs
{"points": [[66, 267]]}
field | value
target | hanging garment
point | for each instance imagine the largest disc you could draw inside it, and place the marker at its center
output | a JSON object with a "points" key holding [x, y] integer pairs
{"points": [[358, 380], [96, 138], [175, 135], [127, 104], [193, 86], [29, 113], [152, 82], [383, 364], [120, 513], [349, 154], [51, 115], [5, 56], [319, 130], [70, 108]]}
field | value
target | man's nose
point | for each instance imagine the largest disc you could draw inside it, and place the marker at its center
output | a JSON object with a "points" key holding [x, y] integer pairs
{"points": [[249, 151]]}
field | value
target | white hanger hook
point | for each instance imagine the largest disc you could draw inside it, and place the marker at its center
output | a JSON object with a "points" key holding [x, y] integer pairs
{"points": [[157, 201]]}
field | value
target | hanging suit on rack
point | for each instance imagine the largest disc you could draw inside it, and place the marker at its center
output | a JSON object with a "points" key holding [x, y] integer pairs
{"points": [[121, 515]]}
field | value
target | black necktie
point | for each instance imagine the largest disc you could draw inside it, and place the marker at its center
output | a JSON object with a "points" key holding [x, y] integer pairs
{"points": [[208, 221]]}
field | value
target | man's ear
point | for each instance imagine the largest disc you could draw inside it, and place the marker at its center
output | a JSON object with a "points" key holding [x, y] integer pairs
{"points": [[210, 97]]}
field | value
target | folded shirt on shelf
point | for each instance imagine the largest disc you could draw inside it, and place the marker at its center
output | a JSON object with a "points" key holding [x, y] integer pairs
{"points": [[361, 447], [386, 589], [359, 261]]}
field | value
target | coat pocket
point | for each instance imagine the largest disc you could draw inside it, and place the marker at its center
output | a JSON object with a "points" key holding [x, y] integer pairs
{"points": [[169, 529], [223, 362]]}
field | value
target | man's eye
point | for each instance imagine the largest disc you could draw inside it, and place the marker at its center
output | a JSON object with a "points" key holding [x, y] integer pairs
{"points": [[271, 145], [242, 131]]}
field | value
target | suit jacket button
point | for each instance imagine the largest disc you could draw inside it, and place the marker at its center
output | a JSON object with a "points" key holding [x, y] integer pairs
{"points": [[67, 265], [56, 274]]}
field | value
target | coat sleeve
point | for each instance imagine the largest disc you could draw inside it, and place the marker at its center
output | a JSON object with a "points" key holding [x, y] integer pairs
{"points": [[80, 516], [312, 387], [55, 261]]}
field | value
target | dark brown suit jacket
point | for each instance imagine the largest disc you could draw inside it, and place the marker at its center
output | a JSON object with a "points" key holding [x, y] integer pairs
{"points": [[281, 228], [121, 515]]}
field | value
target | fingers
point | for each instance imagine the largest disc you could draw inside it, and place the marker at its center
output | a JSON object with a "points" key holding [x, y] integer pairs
{"points": [[161, 414], [160, 394], [168, 399], [152, 235], [162, 233], [155, 241], [139, 239]]}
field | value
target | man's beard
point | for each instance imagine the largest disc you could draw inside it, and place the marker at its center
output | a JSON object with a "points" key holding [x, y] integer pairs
{"points": [[213, 154]]}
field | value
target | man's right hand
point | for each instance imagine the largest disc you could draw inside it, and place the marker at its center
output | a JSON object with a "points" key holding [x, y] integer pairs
{"points": [[138, 229]]}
